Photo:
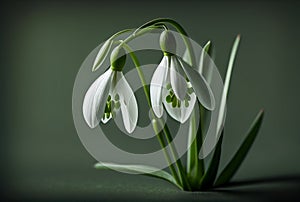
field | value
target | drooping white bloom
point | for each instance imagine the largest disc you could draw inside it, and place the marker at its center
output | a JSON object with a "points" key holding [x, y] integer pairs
{"points": [[109, 93], [177, 87]]}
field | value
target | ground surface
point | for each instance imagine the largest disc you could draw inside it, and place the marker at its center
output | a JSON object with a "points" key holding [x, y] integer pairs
{"points": [[109, 185]]}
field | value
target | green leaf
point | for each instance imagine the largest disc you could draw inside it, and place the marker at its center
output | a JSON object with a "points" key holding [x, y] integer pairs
{"points": [[205, 51], [206, 65], [209, 177], [102, 54], [241, 153], [206, 69], [227, 83], [194, 164], [138, 169]]}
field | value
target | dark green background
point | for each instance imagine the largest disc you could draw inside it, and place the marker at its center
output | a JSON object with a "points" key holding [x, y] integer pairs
{"points": [[43, 44]]}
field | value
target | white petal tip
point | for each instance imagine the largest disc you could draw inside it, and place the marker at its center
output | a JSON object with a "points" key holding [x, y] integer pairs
{"points": [[158, 111], [130, 130], [209, 105]]}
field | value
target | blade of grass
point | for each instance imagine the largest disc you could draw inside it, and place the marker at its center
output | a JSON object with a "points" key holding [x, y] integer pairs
{"points": [[222, 106], [205, 51], [241, 153], [207, 63], [195, 166], [138, 169], [209, 177], [227, 83]]}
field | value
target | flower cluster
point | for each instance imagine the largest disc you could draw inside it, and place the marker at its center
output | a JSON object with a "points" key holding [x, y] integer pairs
{"points": [[174, 85]]}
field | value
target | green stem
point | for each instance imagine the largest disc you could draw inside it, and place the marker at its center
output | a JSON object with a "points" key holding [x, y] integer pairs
{"points": [[194, 167], [178, 162], [140, 32], [194, 163], [141, 75], [179, 28], [147, 94], [163, 146], [119, 33]]}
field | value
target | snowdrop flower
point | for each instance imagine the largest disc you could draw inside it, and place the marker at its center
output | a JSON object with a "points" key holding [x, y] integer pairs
{"points": [[109, 93], [177, 86]]}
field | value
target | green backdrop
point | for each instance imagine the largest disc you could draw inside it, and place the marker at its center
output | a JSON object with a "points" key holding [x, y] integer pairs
{"points": [[43, 44]]}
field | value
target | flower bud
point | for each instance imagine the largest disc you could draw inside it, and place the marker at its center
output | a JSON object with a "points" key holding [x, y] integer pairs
{"points": [[118, 59], [102, 54], [167, 42]]}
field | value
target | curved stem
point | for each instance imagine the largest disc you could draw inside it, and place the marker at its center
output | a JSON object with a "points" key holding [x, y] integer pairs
{"points": [[140, 32], [119, 33], [141, 75], [179, 28]]}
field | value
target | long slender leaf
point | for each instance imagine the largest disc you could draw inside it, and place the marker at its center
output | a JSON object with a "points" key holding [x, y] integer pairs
{"points": [[227, 83], [222, 106], [205, 50], [241, 153], [209, 177], [207, 62], [195, 166], [138, 169]]}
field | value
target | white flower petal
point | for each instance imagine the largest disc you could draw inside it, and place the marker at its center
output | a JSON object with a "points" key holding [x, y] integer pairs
{"points": [[186, 57], [182, 113], [156, 86], [95, 99], [129, 107], [201, 87], [178, 82]]}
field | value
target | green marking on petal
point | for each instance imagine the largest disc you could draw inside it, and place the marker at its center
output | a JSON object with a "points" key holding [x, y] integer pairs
{"points": [[113, 113], [117, 97], [187, 97], [117, 104], [106, 108], [169, 99], [173, 97], [178, 103], [168, 86], [112, 105], [174, 102], [186, 103], [190, 90], [109, 107]]}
